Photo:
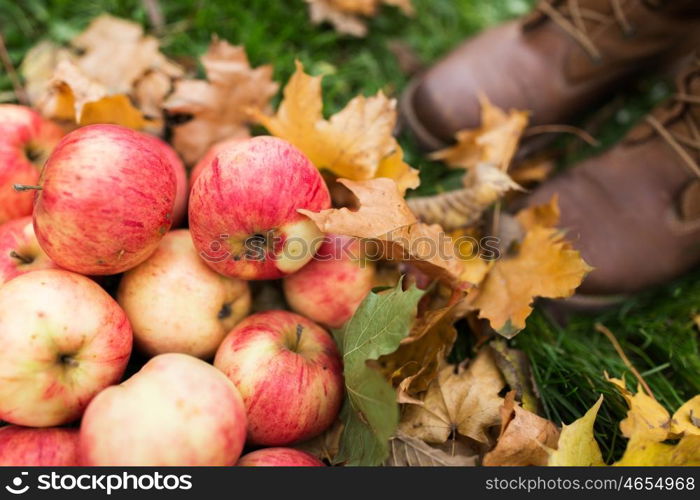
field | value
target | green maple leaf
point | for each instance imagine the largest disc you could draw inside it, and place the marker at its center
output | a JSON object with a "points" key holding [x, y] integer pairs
{"points": [[370, 413]]}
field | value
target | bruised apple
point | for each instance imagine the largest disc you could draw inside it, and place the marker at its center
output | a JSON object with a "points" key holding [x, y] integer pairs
{"points": [[106, 199], [49, 447], [279, 457], [176, 303], [244, 207], [330, 288], [20, 252], [26, 139], [63, 340], [177, 410], [289, 372]]}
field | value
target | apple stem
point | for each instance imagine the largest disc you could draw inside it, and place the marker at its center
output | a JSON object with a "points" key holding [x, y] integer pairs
{"points": [[20, 257], [300, 328], [26, 187]]}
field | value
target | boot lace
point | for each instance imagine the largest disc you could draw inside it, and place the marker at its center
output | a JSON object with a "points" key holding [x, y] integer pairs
{"points": [[576, 20], [687, 145]]}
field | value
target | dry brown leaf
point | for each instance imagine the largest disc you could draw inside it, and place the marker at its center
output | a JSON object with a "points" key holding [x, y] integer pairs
{"points": [[461, 400], [150, 92], [116, 54], [346, 15], [220, 105], [113, 62], [525, 438], [324, 446], [414, 365], [71, 95], [38, 67], [384, 216], [357, 143], [545, 265], [494, 142], [407, 451], [484, 185]]}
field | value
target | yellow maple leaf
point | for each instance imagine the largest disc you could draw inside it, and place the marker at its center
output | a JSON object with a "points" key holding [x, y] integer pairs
{"points": [[220, 105], [384, 216], [577, 445], [356, 143], [460, 399], [646, 417], [494, 141], [545, 265], [686, 420], [648, 453], [648, 424]]}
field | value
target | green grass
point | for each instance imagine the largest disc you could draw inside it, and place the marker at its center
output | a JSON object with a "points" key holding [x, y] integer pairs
{"points": [[655, 329]]}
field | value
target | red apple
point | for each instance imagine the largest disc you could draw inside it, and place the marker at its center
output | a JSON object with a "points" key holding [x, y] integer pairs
{"points": [[29, 447], [176, 303], [26, 139], [289, 372], [279, 457], [209, 156], [178, 410], [63, 340], [20, 251], [243, 209], [329, 289], [180, 209], [106, 200]]}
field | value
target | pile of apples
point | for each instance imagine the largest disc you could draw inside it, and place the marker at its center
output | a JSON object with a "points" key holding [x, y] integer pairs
{"points": [[90, 267]]}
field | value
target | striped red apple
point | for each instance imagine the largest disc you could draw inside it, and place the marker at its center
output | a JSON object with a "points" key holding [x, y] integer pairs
{"points": [[26, 139], [244, 207], [106, 199], [289, 372]]}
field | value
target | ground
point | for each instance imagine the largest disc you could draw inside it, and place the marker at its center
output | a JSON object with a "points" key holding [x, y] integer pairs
{"points": [[655, 330]]}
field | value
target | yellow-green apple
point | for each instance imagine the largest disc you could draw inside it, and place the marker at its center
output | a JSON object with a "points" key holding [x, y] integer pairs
{"points": [[329, 289], [177, 410], [26, 139], [279, 457], [63, 340], [19, 250], [171, 156], [289, 372], [244, 209], [209, 156], [106, 199], [176, 303], [28, 446]]}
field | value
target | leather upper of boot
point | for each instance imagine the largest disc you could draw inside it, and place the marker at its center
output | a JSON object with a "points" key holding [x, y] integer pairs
{"points": [[557, 62], [634, 211]]}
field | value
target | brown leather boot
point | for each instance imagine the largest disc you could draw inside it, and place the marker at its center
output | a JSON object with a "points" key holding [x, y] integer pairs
{"points": [[634, 211], [556, 62]]}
